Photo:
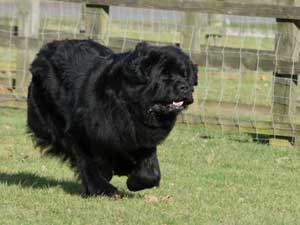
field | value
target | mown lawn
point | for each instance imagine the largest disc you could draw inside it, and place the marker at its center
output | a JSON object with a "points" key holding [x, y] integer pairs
{"points": [[205, 181]]}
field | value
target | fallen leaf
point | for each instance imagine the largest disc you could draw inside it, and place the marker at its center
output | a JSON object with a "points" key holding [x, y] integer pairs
{"points": [[151, 198], [282, 160], [258, 88], [68, 210], [166, 198], [3, 89], [25, 157], [263, 77], [116, 197], [210, 157], [7, 126], [44, 168], [232, 189]]}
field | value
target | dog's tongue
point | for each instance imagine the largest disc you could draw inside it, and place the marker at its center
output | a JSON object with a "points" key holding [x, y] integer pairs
{"points": [[177, 104]]}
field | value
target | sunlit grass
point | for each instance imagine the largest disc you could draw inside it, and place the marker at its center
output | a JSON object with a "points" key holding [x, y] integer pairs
{"points": [[208, 181]]}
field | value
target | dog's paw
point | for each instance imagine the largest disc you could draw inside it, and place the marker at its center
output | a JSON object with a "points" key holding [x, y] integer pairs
{"points": [[137, 183]]}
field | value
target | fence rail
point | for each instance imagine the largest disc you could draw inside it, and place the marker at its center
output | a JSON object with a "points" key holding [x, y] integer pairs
{"points": [[213, 56], [268, 8]]}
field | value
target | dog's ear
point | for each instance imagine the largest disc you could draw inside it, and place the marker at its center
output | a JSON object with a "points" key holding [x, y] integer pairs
{"points": [[195, 74], [133, 69], [141, 48]]}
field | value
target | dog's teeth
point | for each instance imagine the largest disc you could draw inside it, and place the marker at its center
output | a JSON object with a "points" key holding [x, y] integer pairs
{"points": [[178, 103]]}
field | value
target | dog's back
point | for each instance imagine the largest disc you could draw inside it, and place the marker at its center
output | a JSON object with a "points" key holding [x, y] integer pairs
{"points": [[58, 72]]}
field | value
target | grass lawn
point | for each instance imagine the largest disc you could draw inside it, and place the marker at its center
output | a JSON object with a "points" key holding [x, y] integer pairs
{"points": [[204, 181]]}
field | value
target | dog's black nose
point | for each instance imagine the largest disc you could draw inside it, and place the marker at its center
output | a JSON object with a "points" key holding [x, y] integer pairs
{"points": [[183, 88]]}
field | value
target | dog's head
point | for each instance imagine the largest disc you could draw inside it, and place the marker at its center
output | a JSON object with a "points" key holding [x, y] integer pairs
{"points": [[160, 80]]}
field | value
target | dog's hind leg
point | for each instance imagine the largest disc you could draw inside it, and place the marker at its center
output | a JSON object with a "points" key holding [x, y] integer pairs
{"points": [[147, 173], [95, 177]]}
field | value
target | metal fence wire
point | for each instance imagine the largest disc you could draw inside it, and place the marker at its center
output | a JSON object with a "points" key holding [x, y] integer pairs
{"points": [[248, 66]]}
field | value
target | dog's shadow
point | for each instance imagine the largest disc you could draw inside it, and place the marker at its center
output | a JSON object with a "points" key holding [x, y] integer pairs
{"points": [[30, 180]]}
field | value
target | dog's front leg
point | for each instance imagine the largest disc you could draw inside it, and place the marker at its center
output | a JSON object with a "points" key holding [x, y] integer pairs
{"points": [[147, 172], [95, 177]]}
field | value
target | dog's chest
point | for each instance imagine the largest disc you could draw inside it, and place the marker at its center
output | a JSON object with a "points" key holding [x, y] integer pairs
{"points": [[151, 137]]}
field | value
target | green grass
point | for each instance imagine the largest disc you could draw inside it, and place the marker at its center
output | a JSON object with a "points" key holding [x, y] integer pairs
{"points": [[210, 181], [8, 58]]}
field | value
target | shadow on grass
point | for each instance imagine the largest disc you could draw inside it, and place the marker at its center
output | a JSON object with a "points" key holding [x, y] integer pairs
{"points": [[30, 180]]}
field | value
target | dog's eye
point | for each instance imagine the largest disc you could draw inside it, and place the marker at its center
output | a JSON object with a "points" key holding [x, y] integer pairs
{"points": [[184, 75]]}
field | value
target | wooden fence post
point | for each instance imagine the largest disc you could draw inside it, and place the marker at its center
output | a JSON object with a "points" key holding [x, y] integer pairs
{"points": [[190, 43], [96, 22], [190, 40], [83, 17], [216, 25], [27, 27], [285, 82]]}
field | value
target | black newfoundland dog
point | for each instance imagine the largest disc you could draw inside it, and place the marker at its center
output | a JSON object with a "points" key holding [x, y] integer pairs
{"points": [[105, 113]]}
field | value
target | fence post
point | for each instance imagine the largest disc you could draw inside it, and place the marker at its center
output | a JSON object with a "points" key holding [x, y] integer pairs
{"points": [[96, 22], [27, 28], [83, 17], [190, 40], [190, 43], [216, 26], [287, 51]]}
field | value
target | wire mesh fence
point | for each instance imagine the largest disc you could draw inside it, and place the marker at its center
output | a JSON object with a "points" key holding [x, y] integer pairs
{"points": [[248, 66]]}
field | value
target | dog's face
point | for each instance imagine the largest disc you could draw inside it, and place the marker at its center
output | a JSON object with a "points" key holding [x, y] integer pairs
{"points": [[161, 79]]}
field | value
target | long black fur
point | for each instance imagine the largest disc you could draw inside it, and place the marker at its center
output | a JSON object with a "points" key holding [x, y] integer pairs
{"points": [[106, 113]]}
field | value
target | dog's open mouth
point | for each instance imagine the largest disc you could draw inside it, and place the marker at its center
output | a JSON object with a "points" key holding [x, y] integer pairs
{"points": [[176, 105]]}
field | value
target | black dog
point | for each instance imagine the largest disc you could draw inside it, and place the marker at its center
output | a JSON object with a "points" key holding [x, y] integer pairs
{"points": [[105, 113]]}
